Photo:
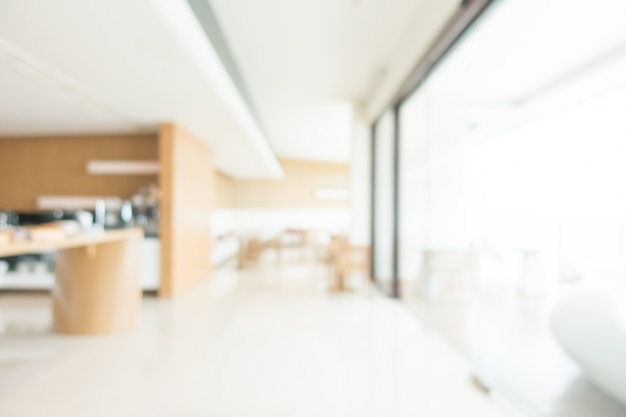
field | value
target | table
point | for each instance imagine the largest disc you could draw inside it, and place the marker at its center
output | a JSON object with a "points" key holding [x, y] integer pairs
{"points": [[97, 288]]}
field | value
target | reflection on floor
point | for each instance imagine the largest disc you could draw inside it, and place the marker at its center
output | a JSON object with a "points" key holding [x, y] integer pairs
{"points": [[263, 342], [506, 337]]}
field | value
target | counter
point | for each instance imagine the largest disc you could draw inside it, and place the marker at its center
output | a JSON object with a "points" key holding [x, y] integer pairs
{"points": [[96, 288]]}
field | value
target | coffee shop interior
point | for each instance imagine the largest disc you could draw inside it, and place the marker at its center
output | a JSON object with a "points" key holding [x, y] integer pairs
{"points": [[290, 208]]}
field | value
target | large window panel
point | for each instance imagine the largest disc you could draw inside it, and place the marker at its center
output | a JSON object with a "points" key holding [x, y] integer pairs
{"points": [[513, 190]]}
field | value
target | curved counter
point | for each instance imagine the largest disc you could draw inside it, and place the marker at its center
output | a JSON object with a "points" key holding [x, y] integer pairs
{"points": [[97, 287]]}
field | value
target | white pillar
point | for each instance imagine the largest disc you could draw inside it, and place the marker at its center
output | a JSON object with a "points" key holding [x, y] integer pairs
{"points": [[360, 178]]}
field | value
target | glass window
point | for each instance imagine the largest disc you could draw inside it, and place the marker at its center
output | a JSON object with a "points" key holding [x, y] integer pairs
{"points": [[512, 180]]}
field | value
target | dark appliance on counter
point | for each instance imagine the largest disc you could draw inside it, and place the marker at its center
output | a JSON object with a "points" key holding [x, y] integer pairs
{"points": [[119, 214], [39, 262]]}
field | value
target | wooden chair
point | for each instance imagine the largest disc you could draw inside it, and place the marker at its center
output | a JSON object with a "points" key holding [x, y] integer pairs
{"points": [[252, 246], [346, 259], [336, 245], [249, 251]]}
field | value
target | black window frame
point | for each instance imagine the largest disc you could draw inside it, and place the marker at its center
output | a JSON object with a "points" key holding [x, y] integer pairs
{"points": [[460, 23]]}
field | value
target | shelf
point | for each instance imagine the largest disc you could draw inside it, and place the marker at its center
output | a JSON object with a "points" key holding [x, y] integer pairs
{"points": [[26, 281], [126, 167]]}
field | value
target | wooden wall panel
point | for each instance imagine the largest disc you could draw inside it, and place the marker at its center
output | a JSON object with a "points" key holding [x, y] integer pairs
{"points": [[295, 190], [187, 197], [30, 167], [223, 191]]}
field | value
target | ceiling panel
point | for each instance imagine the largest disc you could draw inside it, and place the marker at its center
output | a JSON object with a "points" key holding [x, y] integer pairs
{"points": [[307, 63], [128, 63]]}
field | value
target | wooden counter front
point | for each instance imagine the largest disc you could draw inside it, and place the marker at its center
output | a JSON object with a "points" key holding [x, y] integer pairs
{"points": [[97, 287]]}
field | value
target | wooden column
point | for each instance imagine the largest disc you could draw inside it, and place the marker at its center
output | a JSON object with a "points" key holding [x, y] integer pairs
{"points": [[187, 182]]}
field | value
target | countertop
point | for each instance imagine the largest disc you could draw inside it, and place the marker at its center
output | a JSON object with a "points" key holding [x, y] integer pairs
{"points": [[21, 248]]}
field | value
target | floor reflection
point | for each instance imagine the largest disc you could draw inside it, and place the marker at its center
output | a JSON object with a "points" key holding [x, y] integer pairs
{"points": [[506, 336]]}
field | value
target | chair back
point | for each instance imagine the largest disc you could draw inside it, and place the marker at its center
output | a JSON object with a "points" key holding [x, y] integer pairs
{"points": [[351, 257]]}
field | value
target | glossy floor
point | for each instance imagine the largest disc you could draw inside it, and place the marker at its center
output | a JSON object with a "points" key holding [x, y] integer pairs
{"points": [[264, 342], [506, 336]]}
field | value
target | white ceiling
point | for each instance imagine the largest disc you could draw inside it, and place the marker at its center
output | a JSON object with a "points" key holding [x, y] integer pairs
{"points": [[75, 66], [307, 62]]}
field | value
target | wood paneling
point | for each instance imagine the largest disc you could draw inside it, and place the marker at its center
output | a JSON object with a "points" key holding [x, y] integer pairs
{"points": [[187, 197], [295, 190], [30, 167], [223, 190]]}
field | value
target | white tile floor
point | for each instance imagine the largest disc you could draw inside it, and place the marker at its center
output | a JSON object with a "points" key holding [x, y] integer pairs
{"points": [[265, 342], [506, 335]]}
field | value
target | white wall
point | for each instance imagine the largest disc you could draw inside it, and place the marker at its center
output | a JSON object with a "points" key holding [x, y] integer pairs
{"points": [[267, 221]]}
